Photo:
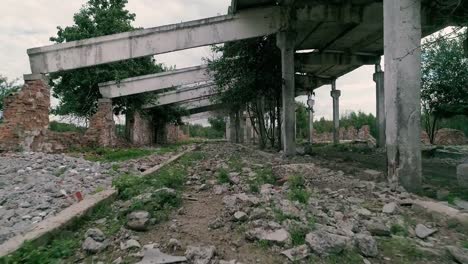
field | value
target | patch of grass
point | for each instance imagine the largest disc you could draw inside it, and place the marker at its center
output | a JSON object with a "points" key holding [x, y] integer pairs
{"points": [[115, 167], [399, 230], [280, 216], [235, 163], [264, 176], [223, 176], [114, 155], [298, 235], [465, 244], [297, 191], [264, 244], [300, 195], [98, 189], [402, 250], [60, 171], [58, 249], [347, 256]]}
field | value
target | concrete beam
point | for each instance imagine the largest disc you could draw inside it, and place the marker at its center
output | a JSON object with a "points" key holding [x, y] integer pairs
{"points": [[334, 58], [154, 82], [186, 95], [152, 41]]}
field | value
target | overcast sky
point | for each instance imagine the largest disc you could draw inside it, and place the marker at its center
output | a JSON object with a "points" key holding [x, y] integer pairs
{"points": [[30, 23]]}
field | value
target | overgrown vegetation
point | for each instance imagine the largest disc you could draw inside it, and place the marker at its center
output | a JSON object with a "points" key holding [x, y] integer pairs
{"points": [[444, 92], [6, 88], [64, 127], [403, 250], [297, 190]]}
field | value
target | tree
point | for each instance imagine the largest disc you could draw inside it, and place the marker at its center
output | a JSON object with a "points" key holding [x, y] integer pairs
{"points": [[248, 76], [218, 124], [444, 91], [6, 89], [78, 90]]}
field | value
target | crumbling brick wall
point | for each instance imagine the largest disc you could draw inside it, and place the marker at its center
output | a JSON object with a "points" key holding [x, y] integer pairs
{"points": [[26, 115], [101, 131], [175, 134], [141, 130]]}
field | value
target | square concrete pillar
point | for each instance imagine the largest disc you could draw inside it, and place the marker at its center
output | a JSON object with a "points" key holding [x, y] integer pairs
{"points": [[335, 94], [286, 42], [380, 105], [402, 39]]}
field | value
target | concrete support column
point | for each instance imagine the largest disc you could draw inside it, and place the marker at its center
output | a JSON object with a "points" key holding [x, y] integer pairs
{"points": [[380, 101], [248, 131], [286, 42], [232, 127], [311, 125], [402, 39], [335, 94], [240, 127]]}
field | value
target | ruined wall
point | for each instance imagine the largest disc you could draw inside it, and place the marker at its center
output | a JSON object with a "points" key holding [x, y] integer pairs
{"points": [[141, 130], [101, 131], [350, 133], [175, 134], [26, 115]]}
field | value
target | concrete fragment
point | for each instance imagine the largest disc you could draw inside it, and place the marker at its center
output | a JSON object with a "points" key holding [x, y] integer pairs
{"points": [[378, 229], [297, 253], [367, 245], [240, 216], [155, 256], [462, 175], [459, 254], [92, 246], [138, 220], [130, 244], [200, 255], [389, 208], [324, 243], [280, 236], [422, 231]]}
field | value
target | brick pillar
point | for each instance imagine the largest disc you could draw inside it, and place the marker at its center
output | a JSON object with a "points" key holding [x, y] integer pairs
{"points": [[101, 131], [26, 114], [141, 130]]}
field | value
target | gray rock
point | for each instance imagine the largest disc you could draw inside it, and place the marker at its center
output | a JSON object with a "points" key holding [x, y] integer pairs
{"points": [[96, 234], [461, 204], [324, 243], [279, 236], [378, 229], [422, 231], [367, 245], [459, 254], [462, 175], [297, 253], [174, 244], [240, 216], [200, 255], [138, 220], [389, 208], [130, 244], [92, 246], [155, 256]]}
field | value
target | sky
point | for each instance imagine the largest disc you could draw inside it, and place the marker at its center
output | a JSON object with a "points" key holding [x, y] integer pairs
{"points": [[30, 23]]}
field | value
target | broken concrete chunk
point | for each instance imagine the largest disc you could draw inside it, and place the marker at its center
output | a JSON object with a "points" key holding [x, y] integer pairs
{"points": [[297, 253], [324, 243], [200, 255], [367, 245], [422, 231], [280, 236], [155, 256]]}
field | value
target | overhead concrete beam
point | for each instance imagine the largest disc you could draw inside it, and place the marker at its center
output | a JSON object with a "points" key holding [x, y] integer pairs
{"points": [[186, 95], [305, 82], [334, 58], [152, 41], [154, 82]]}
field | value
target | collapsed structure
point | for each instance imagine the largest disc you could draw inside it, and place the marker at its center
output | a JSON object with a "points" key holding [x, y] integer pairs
{"points": [[343, 35]]}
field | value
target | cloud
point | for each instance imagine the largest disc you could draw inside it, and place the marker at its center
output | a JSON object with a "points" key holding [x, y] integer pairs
{"points": [[30, 23]]}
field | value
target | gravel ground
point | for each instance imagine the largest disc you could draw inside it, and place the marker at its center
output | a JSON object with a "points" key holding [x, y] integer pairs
{"points": [[35, 186]]}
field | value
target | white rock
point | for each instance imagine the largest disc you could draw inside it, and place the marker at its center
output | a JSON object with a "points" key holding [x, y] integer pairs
{"points": [[422, 231], [389, 208]]}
